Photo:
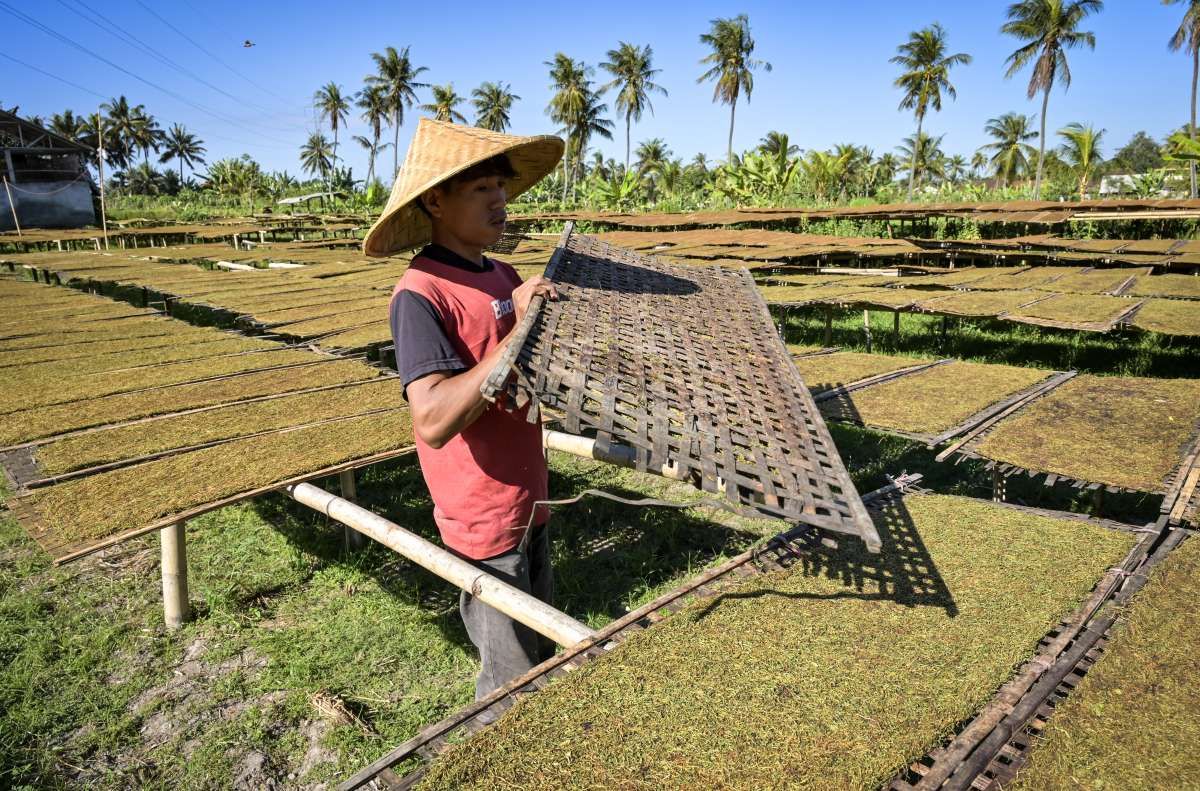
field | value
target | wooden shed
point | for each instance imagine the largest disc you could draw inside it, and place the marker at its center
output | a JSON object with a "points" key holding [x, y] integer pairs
{"points": [[45, 176]]}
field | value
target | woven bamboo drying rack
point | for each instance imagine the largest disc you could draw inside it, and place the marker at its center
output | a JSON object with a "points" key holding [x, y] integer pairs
{"points": [[684, 365]]}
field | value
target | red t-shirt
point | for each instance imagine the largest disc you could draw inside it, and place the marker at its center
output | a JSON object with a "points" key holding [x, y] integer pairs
{"points": [[485, 481]]}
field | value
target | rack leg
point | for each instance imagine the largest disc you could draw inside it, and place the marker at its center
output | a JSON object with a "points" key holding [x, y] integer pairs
{"points": [[173, 542], [998, 486], [352, 539]]}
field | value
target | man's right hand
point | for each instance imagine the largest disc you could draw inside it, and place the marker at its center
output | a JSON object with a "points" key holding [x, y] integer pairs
{"points": [[524, 293]]}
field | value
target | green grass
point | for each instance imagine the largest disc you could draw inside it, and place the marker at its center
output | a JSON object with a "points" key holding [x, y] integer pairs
{"points": [[991, 341], [85, 666], [1131, 723], [835, 674], [1122, 431]]}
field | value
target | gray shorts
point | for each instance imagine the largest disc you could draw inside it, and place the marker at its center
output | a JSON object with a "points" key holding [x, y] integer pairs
{"points": [[508, 649]]}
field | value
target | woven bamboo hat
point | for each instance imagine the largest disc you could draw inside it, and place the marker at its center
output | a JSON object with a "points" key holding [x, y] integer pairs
{"points": [[440, 150]]}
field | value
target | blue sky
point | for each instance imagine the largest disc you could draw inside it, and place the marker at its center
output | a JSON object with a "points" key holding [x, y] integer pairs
{"points": [[831, 82]]}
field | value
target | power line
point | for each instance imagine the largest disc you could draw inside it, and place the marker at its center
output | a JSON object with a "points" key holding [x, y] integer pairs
{"points": [[52, 76], [205, 50], [178, 97], [85, 89], [108, 26]]}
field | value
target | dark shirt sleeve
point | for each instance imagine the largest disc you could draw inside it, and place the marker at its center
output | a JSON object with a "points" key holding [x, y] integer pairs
{"points": [[422, 346]]}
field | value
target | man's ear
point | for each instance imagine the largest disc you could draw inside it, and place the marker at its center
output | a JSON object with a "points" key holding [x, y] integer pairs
{"points": [[432, 200]]}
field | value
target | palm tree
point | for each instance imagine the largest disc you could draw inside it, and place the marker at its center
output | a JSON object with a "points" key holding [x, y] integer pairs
{"points": [[316, 157], [590, 121], [445, 100], [147, 134], [634, 80], [1081, 150], [373, 101], [1011, 151], [978, 162], [181, 144], [924, 152], [492, 102], [333, 107], [777, 144], [372, 147], [568, 80], [398, 78], [67, 125], [926, 74], [120, 127], [651, 154], [731, 66], [1188, 36], [1049, 28], [954, 168]]}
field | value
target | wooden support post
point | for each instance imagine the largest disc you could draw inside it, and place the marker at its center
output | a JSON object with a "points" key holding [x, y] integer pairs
{"points": [[173, 541], [352, 539], [896, 325], [998, 486], [867, 328], [1097, 501], [944, 321], [828, 326], [12, 206]]}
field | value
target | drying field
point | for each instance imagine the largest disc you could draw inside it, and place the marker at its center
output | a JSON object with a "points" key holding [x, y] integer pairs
{"points": [[1131, 722], [189, 371], [857, 664]]}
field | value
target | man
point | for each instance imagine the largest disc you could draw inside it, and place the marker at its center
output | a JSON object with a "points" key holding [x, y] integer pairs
{"points": [[452, 316]]}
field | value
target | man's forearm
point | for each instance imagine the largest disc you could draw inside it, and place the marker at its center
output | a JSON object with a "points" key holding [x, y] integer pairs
{"points": [[454, 402]]}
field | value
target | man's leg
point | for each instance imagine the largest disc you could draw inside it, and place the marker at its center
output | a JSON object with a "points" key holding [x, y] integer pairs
{"points": [[507, 648], [541, 581]]}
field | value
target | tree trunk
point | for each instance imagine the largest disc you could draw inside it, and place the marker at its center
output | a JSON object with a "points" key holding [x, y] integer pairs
{"points": [[1192, 129], [334, 153], [729, 148], [1037, 183], [627, 127], [566, 156], [912, 170], [181, 171], [395, 144]]}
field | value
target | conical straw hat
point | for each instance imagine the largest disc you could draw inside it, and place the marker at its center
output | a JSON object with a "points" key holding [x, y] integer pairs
{"points": [[440, 150]]}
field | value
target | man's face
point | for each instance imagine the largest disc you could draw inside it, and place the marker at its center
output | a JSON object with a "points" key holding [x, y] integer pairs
{"points": [[471, 211]]}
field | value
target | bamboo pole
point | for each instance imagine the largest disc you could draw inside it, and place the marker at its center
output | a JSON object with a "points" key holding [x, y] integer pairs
{"points": [[515, 603], [173, 542], [12, 205], [100, 171], [585, 447], [352, 539]]}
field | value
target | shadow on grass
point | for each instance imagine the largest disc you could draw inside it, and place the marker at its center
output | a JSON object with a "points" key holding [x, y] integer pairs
{"points": [[903, 572], [1121, 352], [606, 556]]}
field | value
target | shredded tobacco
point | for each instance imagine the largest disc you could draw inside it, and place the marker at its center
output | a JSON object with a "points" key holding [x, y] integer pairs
{"points": [[1117, 430], [834, 674], [1131, 722]]}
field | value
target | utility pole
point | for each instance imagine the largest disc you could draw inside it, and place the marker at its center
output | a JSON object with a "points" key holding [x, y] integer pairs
{"points": [[100, 170]]}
